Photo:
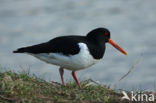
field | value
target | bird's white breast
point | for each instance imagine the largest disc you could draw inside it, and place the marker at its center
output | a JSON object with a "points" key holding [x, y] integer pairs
{"points": [[71, 62]]}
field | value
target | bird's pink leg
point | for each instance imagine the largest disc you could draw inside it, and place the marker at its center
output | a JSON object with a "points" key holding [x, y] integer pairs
{"points": [[61, 74], [75, 78]]}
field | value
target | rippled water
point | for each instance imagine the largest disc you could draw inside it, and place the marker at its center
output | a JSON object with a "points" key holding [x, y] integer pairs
{"points": [[132, 24]]}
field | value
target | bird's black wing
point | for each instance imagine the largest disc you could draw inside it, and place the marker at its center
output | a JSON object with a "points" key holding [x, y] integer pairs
{"points": [[67, 45]]}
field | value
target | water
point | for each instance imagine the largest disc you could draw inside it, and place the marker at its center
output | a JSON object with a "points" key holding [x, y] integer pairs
{"points": [[132, 24]]}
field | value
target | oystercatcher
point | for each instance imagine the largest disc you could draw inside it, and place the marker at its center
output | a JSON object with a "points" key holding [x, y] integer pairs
{"points": [[73, 52]]}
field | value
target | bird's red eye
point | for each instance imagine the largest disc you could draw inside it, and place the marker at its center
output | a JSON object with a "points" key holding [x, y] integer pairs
{"points": [[106, 33]]}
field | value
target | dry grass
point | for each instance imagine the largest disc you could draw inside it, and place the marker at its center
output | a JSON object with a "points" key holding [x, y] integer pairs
{"points": [[22, 88]]}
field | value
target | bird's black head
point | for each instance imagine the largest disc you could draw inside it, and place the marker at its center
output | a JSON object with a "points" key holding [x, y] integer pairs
{"points": [[99, 35]]}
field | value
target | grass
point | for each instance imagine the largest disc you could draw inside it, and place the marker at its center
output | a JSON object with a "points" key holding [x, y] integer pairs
{"points": [[23, 88]]}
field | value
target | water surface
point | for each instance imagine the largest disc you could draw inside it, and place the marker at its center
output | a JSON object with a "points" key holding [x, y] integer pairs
{"points": [[132, 24]]}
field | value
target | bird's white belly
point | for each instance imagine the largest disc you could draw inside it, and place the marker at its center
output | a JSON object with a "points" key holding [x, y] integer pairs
{"points": [[71, 62]]}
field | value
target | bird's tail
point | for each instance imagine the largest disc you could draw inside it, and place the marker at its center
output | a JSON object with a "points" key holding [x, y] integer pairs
{"points": [[20, 50]]}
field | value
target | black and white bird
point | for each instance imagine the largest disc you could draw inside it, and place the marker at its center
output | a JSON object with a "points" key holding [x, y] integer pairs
{"points": [[73, 52]]}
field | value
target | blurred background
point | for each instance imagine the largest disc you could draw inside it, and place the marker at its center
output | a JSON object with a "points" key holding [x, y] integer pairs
{"points": [[132, 24]]}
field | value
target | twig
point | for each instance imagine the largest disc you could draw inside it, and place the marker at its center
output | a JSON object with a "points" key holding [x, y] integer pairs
{"points": [[127, 73], [55, 83], [6, 98], [45, 98]]}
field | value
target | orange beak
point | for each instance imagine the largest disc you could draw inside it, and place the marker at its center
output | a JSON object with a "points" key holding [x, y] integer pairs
{"points": [[117, 46]]}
